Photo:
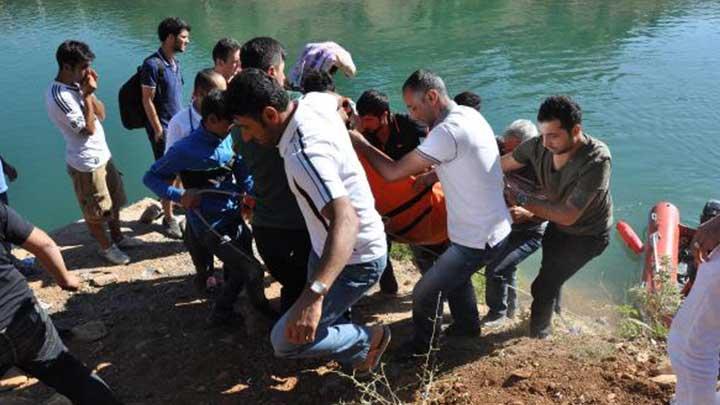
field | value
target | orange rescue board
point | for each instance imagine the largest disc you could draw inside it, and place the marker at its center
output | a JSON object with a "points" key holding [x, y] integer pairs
{"points": [[663, 239], [416, 217]]}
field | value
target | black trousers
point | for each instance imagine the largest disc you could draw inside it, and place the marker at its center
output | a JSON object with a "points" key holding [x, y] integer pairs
{"points": [[563, 255], [285, 253], [32, 344]]}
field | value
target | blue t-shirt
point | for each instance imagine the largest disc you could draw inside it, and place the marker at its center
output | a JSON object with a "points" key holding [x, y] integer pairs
{"points": [[168, 98], [203, 161], [3, 183]]}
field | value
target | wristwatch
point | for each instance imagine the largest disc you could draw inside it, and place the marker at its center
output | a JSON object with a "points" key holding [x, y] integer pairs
{"points": [[521, 199], [319, 288]]}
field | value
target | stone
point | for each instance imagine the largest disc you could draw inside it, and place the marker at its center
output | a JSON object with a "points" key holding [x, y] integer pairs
{"points": [[522, 374], [13, 379], [15, 400], [103, 280], [90, 332], [58, 399], [665, 380]]}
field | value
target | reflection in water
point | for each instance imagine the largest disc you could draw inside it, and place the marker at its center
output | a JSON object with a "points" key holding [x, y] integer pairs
{"points": [[640, 68]]}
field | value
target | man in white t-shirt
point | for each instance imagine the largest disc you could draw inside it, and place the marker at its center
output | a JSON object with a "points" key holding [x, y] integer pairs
{"points": [[346, 232], [76, 111], [188, 119], [462, 149]]}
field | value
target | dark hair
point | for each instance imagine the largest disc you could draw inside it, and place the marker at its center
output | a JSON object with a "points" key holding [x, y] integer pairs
{"points": [[73, 53], [261, 53], [252, 90], [469, 99], [372, 102], [423, 80], [215, 104], [316, 80], [171, 26], [224, 48], [205, 79], [562, 108]]}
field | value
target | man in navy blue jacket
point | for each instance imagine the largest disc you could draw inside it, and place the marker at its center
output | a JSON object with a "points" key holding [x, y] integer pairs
{"points": [[215, 179]]}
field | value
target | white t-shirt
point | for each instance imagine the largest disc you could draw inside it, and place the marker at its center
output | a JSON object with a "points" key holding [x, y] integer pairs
{"points": [[463, 148], [321, 165], [64, 105], [181, 125]]}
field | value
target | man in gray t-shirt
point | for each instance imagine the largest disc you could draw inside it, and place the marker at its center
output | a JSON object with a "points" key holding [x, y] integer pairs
{"points": [[573, 172]]}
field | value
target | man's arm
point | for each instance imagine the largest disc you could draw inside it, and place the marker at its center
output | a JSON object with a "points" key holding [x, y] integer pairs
{"points": [[390, 170], [564, 213], [99, 108], [706, 239], [509, 163], [160, 175], [48, 253], [89, 114], [148, 94], [342, 234]]}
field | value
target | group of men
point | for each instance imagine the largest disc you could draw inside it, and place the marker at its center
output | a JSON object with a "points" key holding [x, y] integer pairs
{"points": [[246, 140]]}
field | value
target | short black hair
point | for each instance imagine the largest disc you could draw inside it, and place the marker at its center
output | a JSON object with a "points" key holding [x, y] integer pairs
{"points": [[73, 53], [205, 79], [423, 80], [261, 53], [317, 80], [561, 108], [469, 99], [372, 102], [171, 26], [252, 90], [215, 104], [224, 47]]}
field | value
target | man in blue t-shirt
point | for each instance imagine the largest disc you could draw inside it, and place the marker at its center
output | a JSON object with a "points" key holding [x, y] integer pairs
{"points": [[6, 169], [214, 181], [162, 83]]}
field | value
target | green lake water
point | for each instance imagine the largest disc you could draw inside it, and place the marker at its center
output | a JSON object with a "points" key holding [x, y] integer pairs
{"points": [[646, 72]]}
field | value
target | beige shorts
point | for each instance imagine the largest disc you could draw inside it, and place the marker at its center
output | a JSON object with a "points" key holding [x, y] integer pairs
{"points": [[99, 192]]}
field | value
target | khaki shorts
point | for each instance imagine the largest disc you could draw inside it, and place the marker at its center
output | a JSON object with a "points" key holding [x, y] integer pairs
{"points": [[99, 192]]}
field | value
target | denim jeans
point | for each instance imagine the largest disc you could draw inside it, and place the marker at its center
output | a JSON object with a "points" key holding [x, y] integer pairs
{"points": [[500, 278], [345, 342], [31, 343], [563, 255], [449, 277]]}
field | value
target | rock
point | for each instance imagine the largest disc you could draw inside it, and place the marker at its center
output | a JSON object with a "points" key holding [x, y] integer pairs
{"points": [[90, 332], [150, 273], [58, 399], [611, 397], [665, 380], [664, 367], [13, 379], [103, 280], [13, 400], [522, 374], [642, 357], [151, 213]]}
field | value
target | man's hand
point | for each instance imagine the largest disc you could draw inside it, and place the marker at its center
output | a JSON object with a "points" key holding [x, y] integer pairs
{"points": [[520, 215], [356, 137], [90, 82], [303, 318], [190, 199], [422, 181], [10, 171], [706, 239], [69, 282], [159, 135]]}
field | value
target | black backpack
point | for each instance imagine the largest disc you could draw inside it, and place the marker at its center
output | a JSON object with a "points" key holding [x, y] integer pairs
{"points": [[132, 112]]}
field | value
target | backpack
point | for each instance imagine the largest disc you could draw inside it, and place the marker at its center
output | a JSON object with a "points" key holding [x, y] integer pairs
{"points": [[132, 112]]}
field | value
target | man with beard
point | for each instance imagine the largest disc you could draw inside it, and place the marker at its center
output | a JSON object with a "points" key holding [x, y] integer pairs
{"points": [[573, 171], [162, 83]]}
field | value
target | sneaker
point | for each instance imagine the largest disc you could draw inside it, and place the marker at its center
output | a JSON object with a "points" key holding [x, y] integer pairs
{"points": [[151, 213], [172, 228], [128, 242], [114, 255], [497, 323], [379, 342]]}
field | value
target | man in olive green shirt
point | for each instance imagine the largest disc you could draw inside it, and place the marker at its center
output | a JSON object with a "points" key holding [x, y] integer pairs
{"points": [[573, 172]]}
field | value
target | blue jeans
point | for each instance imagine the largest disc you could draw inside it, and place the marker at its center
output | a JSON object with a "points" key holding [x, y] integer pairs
{"points": [[449, 278], [31, 343], [500, 278], [346, 342]]}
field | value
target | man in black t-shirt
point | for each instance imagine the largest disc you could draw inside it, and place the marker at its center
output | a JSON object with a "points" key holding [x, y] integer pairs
{"points": [[396, 135], [28, 338]]}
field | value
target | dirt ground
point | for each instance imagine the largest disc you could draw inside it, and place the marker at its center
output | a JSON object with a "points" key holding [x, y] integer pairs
{"points": [[158, 349]]}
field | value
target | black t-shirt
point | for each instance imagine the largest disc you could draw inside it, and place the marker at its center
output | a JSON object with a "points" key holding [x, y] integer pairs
{"points": [[14, 290], [405, 135]]}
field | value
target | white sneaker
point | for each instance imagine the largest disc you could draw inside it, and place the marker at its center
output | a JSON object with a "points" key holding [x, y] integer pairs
{"points": [[114, 255], [127, 242]]}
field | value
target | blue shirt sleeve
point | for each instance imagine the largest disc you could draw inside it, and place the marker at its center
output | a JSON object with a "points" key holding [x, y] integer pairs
{"points": [[163, 171], [242, 176], [149, 73]]}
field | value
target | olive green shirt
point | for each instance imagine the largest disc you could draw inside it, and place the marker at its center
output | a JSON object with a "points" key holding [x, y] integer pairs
{"points": [[584, 181]]}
